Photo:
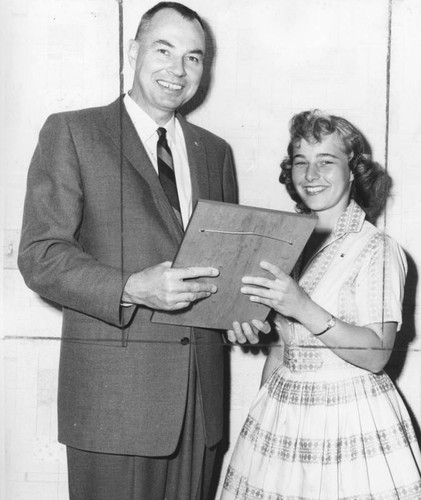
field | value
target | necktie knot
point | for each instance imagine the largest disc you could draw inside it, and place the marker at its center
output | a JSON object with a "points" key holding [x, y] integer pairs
{"points": [[162, 133]]}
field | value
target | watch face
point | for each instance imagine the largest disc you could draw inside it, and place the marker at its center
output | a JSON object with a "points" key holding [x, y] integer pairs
{"points": [[332, 322]]}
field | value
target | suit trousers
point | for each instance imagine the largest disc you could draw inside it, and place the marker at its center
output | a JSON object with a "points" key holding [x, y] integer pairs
{"points": [[185, 475]]}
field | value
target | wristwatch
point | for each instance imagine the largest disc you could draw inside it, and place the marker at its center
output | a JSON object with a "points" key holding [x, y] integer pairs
{"points": [[331, 322]]}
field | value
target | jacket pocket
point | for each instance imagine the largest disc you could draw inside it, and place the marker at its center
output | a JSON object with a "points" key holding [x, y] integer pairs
{"points": [[78, 327]]}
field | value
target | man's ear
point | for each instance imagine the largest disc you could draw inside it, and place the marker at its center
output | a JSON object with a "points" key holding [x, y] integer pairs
{"points": [[132, 52]]}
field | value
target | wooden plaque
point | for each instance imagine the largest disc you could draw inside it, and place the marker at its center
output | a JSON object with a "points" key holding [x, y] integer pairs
{"points": [[235, 239]]}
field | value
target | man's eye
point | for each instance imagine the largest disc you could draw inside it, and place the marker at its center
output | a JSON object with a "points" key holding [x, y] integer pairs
{"points": [[163, 51], [193, 59], [325, 163]]}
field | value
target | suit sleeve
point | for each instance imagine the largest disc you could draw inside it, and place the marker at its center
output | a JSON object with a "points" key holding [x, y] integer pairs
{"points": [[51, 258]]}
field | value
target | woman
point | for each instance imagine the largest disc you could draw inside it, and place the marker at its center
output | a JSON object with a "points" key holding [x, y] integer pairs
{"points": [[328, 423]]}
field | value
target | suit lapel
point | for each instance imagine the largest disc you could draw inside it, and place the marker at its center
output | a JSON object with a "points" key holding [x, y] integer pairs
{"points": [[124, 136], [196, 154]]}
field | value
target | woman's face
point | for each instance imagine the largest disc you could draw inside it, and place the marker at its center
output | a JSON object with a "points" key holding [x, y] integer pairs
{"points": [[321, 175]]}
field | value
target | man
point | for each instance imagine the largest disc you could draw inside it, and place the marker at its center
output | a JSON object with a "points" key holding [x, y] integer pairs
{"points": [[140, 403]]}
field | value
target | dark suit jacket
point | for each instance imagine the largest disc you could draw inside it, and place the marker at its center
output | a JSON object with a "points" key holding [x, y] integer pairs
{"points": [[94, 213]]}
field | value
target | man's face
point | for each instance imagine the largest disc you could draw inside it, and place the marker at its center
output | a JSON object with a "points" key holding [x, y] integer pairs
{"points": [[168, 64]]}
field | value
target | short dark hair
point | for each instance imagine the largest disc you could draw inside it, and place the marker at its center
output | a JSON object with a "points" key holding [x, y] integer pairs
{"points": [[371, 185], [183, 10]]}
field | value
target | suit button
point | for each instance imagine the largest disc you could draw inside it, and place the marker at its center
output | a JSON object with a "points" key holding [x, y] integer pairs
{"points": [[184, 341]]}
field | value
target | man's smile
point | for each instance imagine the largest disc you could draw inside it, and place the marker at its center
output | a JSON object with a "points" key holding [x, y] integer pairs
{"points": [[169, 85]]}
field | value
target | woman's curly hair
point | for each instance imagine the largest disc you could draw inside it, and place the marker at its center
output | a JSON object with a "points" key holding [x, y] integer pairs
{"points": [[371, 185]]}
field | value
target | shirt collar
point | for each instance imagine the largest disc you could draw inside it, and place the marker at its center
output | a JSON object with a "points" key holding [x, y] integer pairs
{"points": [[145, 126]]}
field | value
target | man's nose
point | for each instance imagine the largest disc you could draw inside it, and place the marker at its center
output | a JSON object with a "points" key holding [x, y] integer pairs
{"points": [[312, 172], [177, 67]]}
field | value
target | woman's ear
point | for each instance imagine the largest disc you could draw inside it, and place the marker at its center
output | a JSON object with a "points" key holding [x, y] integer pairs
{"points": [[351, 173]]}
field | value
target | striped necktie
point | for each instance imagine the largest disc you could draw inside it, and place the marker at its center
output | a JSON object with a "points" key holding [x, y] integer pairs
{"points": [[166, 172]]}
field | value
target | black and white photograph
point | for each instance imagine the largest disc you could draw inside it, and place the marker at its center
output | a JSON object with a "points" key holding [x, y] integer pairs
{"points": [[211, 248]]}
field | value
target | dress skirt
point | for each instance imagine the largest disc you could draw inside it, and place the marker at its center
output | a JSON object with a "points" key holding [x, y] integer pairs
{"points": [[323, 429]]}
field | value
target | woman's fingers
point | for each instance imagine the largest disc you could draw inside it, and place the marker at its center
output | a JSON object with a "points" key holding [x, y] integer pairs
{"points": [[275, 270], [264, 327], [246, 332], [259, 292]]}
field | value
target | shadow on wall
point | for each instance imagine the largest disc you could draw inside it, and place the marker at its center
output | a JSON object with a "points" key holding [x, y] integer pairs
{"points": [[407, 333]]}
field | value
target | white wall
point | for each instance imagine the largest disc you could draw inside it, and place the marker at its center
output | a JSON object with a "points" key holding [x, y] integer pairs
{"points": [[273, 58]]}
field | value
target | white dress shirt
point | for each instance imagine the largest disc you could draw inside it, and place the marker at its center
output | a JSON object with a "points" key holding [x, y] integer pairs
{"points": [[147, 131]]}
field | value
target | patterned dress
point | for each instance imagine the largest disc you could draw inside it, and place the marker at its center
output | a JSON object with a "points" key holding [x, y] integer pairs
{"points": [[321, 428]]}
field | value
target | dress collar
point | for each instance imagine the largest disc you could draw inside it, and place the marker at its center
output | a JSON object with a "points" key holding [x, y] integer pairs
{"points": [[351, 221]]}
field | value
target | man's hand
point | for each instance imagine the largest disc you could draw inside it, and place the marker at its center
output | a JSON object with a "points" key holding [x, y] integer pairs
{"points": [[161, 287], [246, 332]]}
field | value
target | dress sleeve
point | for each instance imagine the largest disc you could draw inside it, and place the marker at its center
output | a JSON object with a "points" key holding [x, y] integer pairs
{"points": [[380, 283]]}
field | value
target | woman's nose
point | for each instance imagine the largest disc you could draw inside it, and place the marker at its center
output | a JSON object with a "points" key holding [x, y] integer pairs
{"points": [[312, 172]]}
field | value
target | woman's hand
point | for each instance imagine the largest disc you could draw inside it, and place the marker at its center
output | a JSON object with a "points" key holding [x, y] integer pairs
{"points": [[281, 293], [246, 332]]}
